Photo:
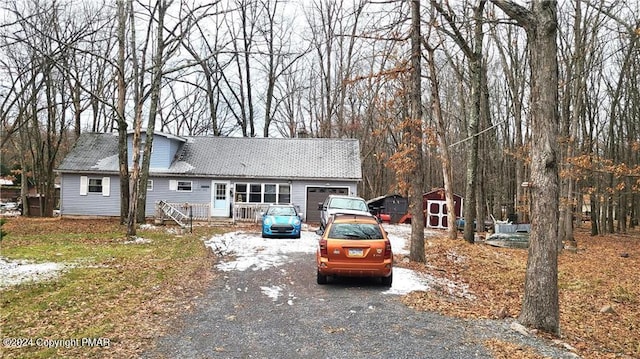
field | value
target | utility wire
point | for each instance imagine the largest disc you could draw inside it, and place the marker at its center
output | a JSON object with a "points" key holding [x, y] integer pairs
{"points": [[477, 134]]}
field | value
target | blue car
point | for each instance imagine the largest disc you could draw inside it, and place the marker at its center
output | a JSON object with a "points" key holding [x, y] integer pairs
{"points": [[281, 221]]}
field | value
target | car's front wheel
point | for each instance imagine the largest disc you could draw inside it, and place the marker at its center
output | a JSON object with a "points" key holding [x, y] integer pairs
{"points": [[320, 278], [386, 281]]}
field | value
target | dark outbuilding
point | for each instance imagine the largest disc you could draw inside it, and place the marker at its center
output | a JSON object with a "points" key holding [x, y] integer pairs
{"points": [[395, 206]]}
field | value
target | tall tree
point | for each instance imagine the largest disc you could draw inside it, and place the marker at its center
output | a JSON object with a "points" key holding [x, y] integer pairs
{"points": [[121, 121], [413, 138], [443, 146], [138, 89], [512, 58], [206, 53], [155, 87], [240, 85], [540, 307], [473, 52], [165, 47]]}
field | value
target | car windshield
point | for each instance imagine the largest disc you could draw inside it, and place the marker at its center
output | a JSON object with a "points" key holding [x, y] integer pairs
{"points": [[349, 203], [281, 211], [355, 231]]}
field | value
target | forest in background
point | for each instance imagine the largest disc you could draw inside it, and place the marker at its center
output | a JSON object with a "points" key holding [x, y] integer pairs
{"points": [[328, 68]]}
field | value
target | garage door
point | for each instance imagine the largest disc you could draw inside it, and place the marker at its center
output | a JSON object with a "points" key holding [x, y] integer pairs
{"points": [[317, 195]]}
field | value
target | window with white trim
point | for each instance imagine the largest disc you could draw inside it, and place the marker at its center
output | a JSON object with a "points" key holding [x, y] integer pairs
{"points": [[270, 193], [241, 192], [149, 185], [95, 185], [262, 192], [255, 193], [284, 193], [184, 186], [92, 185]]}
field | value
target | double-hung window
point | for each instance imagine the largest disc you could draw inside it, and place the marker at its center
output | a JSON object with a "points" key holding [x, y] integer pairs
{"points": [[95, 185], [270, 193], [255, 193]]}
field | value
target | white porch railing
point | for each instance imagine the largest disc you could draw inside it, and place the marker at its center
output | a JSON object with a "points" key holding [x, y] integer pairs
{"points": [[197, 211], [241, 212], [248, 212]]}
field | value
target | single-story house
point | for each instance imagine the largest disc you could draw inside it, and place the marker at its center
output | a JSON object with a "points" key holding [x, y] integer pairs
{"points": [[228, 177]]}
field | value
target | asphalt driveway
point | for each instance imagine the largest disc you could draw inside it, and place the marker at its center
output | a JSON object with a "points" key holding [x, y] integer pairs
{"points": [[279, 311]]}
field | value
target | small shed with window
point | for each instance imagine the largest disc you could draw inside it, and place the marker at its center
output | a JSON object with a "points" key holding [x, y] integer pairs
{"points": [[225, 177]]}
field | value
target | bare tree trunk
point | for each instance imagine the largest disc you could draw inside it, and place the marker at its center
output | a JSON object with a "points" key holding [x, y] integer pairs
{"points": [[137, 125], [414, 135], [475, 64], [443, 147], [540, 307], [484, 119], [123, 156], [158, 62]]}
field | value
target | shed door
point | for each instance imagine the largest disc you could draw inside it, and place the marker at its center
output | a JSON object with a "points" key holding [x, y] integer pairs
{"points": [[220, 199], [437, 214], [317, 195]]}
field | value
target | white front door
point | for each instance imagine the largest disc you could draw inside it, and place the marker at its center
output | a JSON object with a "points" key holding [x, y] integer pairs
{"points": [[220, 199]]}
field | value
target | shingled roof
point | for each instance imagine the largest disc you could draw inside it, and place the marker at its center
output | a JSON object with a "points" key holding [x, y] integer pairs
{"points": [[299, 158]]}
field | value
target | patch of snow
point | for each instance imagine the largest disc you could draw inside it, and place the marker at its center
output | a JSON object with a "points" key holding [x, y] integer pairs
{"points": [[398, 235], [251, 251], [272, 292], [14, 272], [407, 281], [138, 240]]}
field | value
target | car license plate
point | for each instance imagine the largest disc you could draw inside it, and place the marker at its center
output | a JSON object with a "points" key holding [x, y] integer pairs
{"points": [[355, 252]]}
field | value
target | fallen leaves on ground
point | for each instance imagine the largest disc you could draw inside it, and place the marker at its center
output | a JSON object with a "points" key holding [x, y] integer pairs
{"points": [[504, 350], [598, 283]]}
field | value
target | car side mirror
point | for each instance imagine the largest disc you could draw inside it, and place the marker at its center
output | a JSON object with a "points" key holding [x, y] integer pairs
{"points": [[319, 232]]}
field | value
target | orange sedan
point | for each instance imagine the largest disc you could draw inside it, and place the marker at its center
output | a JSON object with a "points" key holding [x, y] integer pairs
{"points": [[354, 246]]}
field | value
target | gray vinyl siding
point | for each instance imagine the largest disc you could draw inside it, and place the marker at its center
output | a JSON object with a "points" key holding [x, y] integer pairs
{"points": [[200, 192], [95, 204], [163, 152], [91, 204]]}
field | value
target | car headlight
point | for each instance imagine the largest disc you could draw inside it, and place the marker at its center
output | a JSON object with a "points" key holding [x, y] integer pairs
{"points": [[296, 222], [267, 221]]}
